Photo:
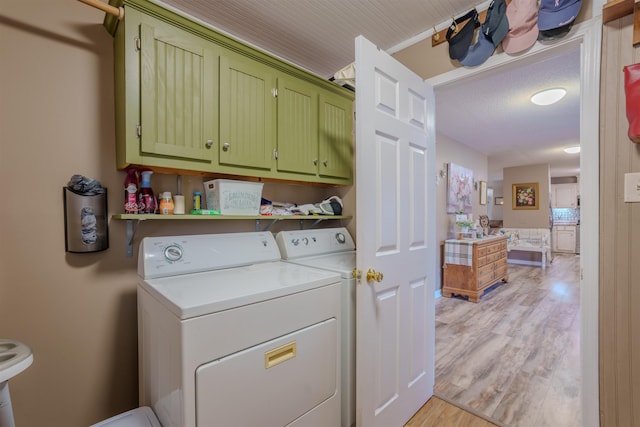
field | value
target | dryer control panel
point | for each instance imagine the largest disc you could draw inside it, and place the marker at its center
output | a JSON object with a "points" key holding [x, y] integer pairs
{"points": [[303, 243], [173, 255]]}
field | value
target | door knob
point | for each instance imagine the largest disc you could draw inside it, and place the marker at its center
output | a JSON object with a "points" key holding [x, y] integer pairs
{"points": [[373, 275], [225, 146], [209, 143]]}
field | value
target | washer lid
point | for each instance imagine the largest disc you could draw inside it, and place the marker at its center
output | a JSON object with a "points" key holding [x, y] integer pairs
{"points": [[198, 294], [343, 262]]}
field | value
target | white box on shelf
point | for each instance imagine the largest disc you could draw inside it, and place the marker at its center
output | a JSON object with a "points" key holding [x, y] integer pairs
{"points": [[233, 197]]}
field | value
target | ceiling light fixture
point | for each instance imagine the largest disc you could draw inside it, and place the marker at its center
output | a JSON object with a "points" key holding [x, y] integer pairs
{"points": [[548, 96], [572, 150]]}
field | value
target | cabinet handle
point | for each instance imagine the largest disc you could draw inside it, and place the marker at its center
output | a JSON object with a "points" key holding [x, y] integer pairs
{"points": [[225, 146], [324, 162], [315, 162], [209, 143]]}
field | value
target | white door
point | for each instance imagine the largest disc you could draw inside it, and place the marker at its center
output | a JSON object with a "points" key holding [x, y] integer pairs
{"points": [[395, 186]]}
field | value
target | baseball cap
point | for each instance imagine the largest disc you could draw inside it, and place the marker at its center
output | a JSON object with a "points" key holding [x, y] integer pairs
{"points": [[557, 13], [491, 33], [496, 24], [459, 42], [555, 33], [523, 30]]}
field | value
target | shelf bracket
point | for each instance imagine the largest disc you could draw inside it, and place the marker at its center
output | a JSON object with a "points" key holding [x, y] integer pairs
{"points": [[130, 233], [273, 221], [316, 222]]}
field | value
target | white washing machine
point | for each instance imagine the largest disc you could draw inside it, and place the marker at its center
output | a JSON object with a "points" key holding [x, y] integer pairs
{"points": [[331, 249], [230, 335]]}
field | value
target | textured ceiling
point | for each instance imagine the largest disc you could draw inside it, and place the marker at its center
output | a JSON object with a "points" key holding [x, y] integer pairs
{"points": [[489, 112]]}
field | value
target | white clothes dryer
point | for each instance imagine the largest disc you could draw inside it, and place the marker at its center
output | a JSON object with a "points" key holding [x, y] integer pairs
{"points": [[331, 249], [230, 335]]}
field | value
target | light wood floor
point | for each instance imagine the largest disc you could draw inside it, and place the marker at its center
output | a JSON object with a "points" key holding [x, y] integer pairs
{"points": [[514, 356], [437, 412]]}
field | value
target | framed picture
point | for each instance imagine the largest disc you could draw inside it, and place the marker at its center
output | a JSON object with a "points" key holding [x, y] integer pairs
{"points": [[459, 189], [499, 200], [483, 192], [525, 196]]}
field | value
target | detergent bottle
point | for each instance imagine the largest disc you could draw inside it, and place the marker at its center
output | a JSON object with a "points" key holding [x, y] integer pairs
{"points": [[131, 191], [146, 199]]}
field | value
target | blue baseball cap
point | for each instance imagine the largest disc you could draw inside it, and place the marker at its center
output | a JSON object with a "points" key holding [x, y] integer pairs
{"points": [[557, 13], [492, 32]]}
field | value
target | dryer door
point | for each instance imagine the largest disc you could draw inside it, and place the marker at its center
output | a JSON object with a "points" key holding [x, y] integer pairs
{"points": [[273, 383]]}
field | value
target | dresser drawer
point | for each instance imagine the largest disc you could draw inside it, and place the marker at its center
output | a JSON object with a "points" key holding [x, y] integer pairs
{"points": [[491, 249], [494, 256], [500, 269], [486, 269], [483, 260]]}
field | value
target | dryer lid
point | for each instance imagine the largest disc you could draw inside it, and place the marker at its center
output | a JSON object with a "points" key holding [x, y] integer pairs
{"points": [[202, 293]]}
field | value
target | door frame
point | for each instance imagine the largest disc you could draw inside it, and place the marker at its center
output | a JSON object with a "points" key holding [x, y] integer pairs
{"points": [[588, 36]]}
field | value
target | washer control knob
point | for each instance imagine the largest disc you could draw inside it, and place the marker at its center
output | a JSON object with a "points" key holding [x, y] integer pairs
{"points": [[340, 238], [173, 253], [305, 240]]}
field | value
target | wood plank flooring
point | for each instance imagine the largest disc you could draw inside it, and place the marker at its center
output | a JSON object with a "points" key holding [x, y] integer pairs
{"points": [[437, 412], [514, 357]]}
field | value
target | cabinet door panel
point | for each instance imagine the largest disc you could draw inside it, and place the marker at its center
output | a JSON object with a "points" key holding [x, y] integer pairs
{"points": [[335, 138], [247, 107], [297, 126], [178, 113]]}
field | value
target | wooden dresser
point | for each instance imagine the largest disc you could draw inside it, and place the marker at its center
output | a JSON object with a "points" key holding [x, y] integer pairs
{"points": [[471, 266]]}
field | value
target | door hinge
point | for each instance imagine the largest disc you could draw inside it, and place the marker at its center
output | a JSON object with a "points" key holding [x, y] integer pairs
{"points": [[139, 130], [138, 44], [275, 154]]}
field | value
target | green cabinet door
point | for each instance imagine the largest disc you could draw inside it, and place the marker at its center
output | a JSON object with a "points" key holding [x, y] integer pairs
{"points": [[247, 113], [178, 93], [335, 140], [297, 126]]}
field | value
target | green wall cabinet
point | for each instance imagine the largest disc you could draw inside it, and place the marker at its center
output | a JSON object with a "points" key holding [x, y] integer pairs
{"points": [[192, 100], [297, 148], [336, 136], [178, 85], [247, 113]]}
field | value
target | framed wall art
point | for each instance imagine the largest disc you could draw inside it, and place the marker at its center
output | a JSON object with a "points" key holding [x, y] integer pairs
{"points": [[499, 200], [525, 196], [483, 192], [459, 189]]}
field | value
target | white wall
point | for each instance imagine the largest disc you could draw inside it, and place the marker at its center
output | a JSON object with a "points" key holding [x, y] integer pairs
{"points": [[449, 150]]}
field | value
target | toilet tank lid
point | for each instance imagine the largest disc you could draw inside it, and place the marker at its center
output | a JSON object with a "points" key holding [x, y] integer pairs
{"points": [[139, 417]]}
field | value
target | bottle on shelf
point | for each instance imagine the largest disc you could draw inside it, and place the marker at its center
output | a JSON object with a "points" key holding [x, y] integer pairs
{"points": [[131, 191], [166, 203], [146, 199]]}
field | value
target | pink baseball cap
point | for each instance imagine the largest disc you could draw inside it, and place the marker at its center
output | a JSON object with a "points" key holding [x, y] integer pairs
{"points": [[523, 26]]}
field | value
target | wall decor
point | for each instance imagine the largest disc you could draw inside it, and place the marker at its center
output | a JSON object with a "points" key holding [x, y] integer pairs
{"points": [[499, 200], [525, 196], [459, 189], [483, 192]]}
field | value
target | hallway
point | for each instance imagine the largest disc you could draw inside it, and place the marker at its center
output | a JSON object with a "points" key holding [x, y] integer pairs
{"points": [[514, 357]]}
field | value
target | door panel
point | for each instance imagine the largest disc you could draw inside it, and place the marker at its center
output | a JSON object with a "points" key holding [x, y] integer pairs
{"points": [[297, 126], [335, 139], [395, 156], [247, 113], [178, 93]]}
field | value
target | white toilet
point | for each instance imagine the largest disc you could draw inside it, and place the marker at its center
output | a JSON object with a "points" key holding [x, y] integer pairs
{"points": [[139, 417]]}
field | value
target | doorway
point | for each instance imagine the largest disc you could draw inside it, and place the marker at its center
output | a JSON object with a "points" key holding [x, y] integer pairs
{"points": [[586, 37]]}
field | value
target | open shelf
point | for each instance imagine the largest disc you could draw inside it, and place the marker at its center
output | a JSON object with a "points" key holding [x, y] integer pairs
{"points": [[271, 219]]}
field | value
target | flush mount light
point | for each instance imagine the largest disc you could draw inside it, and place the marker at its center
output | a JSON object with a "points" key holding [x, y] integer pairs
{"points": [[548, 96], [572, 150]]}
